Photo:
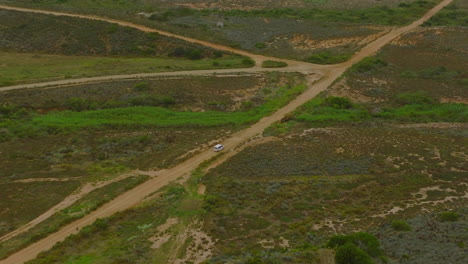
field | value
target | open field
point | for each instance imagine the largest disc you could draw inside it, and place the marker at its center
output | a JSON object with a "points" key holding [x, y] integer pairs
{"points": [[19, 68]]}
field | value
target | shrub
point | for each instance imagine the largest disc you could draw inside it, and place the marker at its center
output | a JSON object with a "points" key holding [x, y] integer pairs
{"points": [[350, 254], [151, 100], [328, 58], [411, 98], [80, 104], [274, 64], [449, 217], [338, 102], [195, 55], [260, 45], [364, 241], [367, 65], [142, 86], [400, 225], [248, 62]]}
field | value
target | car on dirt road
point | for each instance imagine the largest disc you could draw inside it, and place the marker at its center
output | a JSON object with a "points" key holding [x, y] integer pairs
{"points": [[218, 147]]}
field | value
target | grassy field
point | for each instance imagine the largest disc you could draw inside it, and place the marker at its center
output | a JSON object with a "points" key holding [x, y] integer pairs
{"points": [[18, 68]]}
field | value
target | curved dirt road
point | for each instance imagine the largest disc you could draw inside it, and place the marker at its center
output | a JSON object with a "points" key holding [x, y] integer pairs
{"points": [[136, 195], [258, 58], [299, 68]]}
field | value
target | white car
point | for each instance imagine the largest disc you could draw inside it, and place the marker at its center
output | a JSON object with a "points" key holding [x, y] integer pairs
{"points": [[218, 147]]}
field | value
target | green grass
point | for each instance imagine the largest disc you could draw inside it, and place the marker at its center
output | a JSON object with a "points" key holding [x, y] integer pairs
{"points": [[27, 68], [138, 117], [320, 111]]}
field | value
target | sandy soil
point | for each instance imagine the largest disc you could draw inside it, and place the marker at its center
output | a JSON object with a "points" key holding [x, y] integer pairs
{"points": [[137, 194]]}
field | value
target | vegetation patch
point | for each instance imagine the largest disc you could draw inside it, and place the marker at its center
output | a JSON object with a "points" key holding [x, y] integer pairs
{"points": [[142, 117], [358, 248], [400, 225], [328, 58], [274, 64], [413, 107]]}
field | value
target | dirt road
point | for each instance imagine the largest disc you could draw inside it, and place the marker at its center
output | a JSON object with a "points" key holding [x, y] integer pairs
{"points": [[134, 196], [258, 58], [306, 69]]}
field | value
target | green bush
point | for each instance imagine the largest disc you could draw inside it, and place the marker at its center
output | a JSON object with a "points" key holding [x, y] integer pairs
{"points": [[141, 87], [449, 217], [260, 45], [248, 62], [368, 65], [80, 104], [364, 241], [338, 102], [195, 55], [412, 98], [152, 100], [274, 64], [328, 58], [350, 254], [400, 225]]}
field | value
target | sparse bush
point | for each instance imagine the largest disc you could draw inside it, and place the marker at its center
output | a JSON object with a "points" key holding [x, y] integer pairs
{"points": [[350, 254], [364, 241], [338, 102], [412, 98], [248, 62], [195, 55], [260, 45], [142, 86], [328, 58], [400, 225], [449, 217], [274, 64], [367, 65], [80, 104]]}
